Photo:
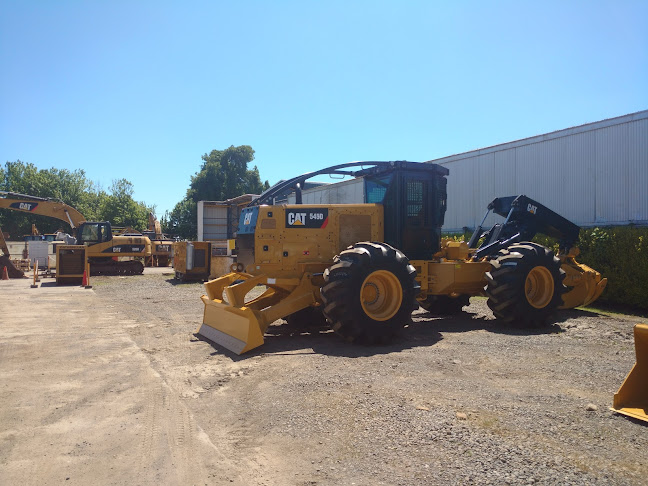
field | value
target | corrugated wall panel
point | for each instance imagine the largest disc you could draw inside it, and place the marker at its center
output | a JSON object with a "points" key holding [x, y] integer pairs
{"points": [[214, 223], [593, 175], [638, 171], [345, 192], [485, 188], [577, 169], [505, 174], [612, 175], [461, 203]]}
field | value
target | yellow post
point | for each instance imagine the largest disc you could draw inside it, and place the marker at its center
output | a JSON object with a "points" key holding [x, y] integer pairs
{"points": [[87, 274], [33, 286]]}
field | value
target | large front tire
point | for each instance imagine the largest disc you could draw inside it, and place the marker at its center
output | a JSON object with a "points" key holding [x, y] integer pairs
{"points": [[525, 285], [369, 293]]}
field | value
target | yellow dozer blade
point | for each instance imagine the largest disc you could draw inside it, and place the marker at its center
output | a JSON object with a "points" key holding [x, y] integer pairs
{"points": [[632, 397], [239, 325], [584, 284]]}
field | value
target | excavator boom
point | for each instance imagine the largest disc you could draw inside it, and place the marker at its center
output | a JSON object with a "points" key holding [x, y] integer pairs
{"points": [[43, 206]]}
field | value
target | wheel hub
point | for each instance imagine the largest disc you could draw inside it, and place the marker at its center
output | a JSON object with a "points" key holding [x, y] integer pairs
{"points": [[370, 293], [539, 287], [381, 295]]}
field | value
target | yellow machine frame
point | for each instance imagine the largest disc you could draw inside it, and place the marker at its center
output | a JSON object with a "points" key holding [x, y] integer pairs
{"points": [[292, 251], [290, 266]]}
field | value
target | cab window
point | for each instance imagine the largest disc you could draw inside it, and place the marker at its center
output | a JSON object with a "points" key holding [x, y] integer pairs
{"points": [[106, 233], [90, 233]]}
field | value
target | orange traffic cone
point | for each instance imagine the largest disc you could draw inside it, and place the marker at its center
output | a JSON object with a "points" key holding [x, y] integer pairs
{"points": [[5, 274], [86, 278]]}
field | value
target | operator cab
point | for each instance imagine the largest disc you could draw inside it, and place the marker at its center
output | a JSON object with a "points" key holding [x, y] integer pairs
{"points": [[413, 196], [93, 233], [414, 199]]}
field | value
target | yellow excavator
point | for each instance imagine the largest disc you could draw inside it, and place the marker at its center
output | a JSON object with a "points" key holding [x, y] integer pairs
{"points": [[364, 268], [102, 248], [161, 245]]}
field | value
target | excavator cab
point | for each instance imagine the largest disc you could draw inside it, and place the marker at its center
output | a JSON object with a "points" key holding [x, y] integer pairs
{"points": [[93, 233]]}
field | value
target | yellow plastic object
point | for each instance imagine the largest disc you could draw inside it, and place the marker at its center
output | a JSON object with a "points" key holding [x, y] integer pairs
{"points": [[632, 397], [584, 284], [238, 325]]}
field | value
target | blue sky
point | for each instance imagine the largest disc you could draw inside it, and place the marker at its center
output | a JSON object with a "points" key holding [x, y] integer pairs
{"points": [[142, 89]]}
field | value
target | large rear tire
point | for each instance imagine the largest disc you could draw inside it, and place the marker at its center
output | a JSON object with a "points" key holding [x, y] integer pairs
{"points": [[525, 285], [369, 293]]}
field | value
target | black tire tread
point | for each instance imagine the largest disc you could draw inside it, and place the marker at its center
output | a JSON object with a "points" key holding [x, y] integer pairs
{"points": [[340, 293], [505, 284]]}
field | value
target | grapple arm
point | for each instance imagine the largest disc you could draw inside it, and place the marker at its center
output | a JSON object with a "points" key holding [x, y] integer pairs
{"points": [[525, 218]]}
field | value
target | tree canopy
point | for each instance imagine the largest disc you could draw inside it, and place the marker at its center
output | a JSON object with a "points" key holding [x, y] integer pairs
{"points": [[73, 188], [224, 174]]}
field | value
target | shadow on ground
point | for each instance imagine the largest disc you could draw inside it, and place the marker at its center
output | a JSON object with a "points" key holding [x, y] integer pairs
{"points": [[426, 330], [174, 282]]}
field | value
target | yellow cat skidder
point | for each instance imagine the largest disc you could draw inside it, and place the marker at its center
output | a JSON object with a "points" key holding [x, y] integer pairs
{"points": [[366, 267]]}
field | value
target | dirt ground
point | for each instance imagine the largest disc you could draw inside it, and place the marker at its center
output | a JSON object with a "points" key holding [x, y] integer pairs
{"points": [[110, 386]]}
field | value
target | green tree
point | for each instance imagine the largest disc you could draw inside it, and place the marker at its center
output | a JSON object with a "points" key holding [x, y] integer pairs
{"points": [[121, 209], [224, 174], [26, 178], [181, 221], [74, 189]]}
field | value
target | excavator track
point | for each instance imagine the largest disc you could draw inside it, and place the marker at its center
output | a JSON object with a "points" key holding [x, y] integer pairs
{"points": [[111, 267]]}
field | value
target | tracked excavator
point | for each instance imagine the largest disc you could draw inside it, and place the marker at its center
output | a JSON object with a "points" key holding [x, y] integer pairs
{"points": [[102, 248], [365, 268]]}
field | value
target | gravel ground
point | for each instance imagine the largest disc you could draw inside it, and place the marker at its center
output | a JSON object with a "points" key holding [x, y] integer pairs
{"points": [[452, 400]]}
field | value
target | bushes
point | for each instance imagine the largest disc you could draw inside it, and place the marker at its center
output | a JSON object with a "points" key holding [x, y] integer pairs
{"points": [[621, 255]]}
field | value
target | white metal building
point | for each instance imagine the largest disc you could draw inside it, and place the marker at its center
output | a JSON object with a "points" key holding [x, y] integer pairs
{"points": [[346, 192], [594, 175]]}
